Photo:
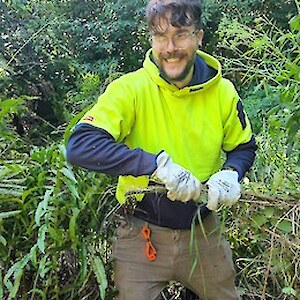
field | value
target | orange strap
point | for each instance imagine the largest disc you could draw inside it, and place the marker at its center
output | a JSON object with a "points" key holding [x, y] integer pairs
{"points": [[150, 250]]}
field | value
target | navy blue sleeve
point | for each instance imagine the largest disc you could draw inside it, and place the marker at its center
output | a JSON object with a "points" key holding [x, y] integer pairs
{"points": [[242, 157], [95, 149]]}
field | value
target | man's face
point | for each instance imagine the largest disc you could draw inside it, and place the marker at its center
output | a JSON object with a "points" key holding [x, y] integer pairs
{"points": [[174, 51]]}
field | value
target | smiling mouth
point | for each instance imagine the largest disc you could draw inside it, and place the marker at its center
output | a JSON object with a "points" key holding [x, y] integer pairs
{"points": [[173, 60]]}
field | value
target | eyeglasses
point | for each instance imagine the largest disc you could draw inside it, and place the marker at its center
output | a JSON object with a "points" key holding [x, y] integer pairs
{"points": [[179, 39]]}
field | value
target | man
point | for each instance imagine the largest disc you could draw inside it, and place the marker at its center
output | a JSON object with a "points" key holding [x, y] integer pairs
{"points": [[167, 123]]}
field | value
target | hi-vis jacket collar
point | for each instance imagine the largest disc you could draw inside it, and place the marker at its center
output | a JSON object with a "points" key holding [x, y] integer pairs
{"points": [[154, 73]]}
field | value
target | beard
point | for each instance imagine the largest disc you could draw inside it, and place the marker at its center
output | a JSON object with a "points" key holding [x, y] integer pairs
{"points": [[176, 77]]}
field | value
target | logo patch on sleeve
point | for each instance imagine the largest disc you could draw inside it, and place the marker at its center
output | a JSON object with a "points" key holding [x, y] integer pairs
{"points": [[88, 118]]}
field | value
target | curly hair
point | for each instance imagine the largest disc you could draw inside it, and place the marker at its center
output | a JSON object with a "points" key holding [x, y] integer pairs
{"points": [[181, 13]]}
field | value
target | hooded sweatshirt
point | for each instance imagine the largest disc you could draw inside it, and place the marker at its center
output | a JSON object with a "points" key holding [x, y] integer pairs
{"points": [[141, 114]]}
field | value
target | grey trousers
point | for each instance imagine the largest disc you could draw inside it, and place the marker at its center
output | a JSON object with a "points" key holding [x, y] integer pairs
{"points": [[200, 259]]}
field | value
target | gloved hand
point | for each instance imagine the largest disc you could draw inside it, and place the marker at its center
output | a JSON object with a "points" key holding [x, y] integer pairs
{"points": [[223, 187], [179, 182]]}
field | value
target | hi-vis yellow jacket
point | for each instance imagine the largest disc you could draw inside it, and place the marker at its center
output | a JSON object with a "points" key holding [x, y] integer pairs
{"points": [[192, 124]]}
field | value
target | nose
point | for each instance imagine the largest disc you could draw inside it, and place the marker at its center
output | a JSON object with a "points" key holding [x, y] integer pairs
{"points": [[170, 46]]}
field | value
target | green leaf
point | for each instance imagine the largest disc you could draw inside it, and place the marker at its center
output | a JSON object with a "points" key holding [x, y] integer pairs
{"points": [[9, 104], [28, 192], [295, 23], [268, 212], [9, 214], [99, 272], [43, 266], [285, 226], [72, 226], [39, 213], [13, 291], [289, 291], [41, 178], [83, 261], [16, 193], [56, 234], [259, 220], [277, 180], [69, 174], [42, 207], [73, 189], [33, 256], [3, 242], [41, 238], [17, 270]]}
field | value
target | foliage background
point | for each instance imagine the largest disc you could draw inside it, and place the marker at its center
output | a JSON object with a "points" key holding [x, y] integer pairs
{"points": [[56, 221]]}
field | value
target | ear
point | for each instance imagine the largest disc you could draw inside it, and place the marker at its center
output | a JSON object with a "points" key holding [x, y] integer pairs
{"points": [[200, 35]]}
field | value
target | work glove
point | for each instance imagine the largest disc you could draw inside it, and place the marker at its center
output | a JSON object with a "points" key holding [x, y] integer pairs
{"points": [[179, 182], [223, 187]]}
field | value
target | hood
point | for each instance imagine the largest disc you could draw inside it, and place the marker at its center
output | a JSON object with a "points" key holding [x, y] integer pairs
{"points": [[154, 73]]}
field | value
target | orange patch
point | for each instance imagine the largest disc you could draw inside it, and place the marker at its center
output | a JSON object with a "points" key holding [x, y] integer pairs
{"points": [[88, 118]]}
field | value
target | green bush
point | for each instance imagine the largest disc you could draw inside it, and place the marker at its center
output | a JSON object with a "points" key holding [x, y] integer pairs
{"points": [[52, 236], [264, 61], [54, 240], [264, 231]]}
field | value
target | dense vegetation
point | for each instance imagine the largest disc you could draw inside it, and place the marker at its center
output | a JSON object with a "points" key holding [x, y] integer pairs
{"points": [[56, 221]]}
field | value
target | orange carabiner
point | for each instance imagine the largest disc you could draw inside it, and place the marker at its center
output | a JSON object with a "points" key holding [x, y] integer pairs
{"points": [[146, 232], [150, 250]]}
